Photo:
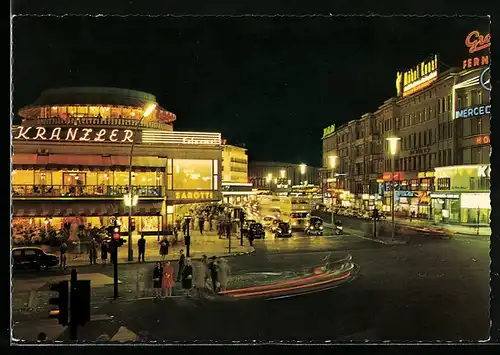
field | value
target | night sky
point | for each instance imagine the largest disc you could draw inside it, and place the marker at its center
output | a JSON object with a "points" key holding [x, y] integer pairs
{"points": [[270, 83]]}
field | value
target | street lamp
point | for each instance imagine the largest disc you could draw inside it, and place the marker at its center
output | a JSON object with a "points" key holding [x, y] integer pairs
{"points": [[282, 174], [302, 168], [269, 178], [148, 110], [393, 147], [332, 159]]}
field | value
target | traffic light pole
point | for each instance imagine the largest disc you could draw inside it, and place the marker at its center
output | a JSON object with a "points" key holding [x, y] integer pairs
{"points": [[187, 240], [115, 269], [73, 327]]}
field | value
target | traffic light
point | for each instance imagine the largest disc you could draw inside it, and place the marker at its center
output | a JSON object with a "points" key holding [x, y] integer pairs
{"points": [[80, 302], [61, 302], [132, 224], [242, 216], [375, 213], [116, 233]]}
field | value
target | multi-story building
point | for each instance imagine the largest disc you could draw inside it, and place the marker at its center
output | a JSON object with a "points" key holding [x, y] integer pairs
{"points": [[235, 186], [73, 150], [275, 176], [443, 125]]}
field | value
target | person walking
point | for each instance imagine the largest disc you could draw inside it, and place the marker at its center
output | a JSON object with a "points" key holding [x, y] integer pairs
{"points": [[212, 266], [104, 252], [141, 246], [224, 271], [181, 263], [63, 250], [157, 279], [201, 223], [93, 252], [187, 276], [168, 279], [164, 247]]}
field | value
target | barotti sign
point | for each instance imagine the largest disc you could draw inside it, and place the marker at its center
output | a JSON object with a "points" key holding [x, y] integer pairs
{"points": [[72, 134]]}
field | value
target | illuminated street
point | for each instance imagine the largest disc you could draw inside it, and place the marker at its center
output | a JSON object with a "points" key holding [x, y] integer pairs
{"points": [[395, 282]]}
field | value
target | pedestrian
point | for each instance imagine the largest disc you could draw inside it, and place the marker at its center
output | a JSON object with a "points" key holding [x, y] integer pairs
{"points": [[212, 266], [181, 263], [220, 229], [187, 276], [164, 247], [157, 279], [184, 227], [224, 270], [201, 223], [104, 252], [211, 222], [141, 246], [168, 279], [93, 252], [42, 336], [63, 251], [251, 237]]}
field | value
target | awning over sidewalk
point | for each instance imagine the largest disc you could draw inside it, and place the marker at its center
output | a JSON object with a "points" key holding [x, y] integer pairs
{"points": [[87, 162], [86, 209]]}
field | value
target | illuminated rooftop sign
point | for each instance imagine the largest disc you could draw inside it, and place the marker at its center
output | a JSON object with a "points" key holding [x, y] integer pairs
{"points": [[72, 134], [476, 42], [182, 138], [417, 78], [328, 130], [473, 111]]}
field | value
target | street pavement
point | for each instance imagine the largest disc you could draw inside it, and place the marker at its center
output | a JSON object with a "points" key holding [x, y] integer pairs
{"points": [[429, 289]]}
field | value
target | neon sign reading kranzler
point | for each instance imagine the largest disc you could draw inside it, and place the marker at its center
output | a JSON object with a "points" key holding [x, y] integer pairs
{"points": [[72, 134]]}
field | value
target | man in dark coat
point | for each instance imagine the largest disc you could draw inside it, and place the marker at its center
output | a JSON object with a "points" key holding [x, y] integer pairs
{"points": [[212, 266], [181, 263], [141, 245]]}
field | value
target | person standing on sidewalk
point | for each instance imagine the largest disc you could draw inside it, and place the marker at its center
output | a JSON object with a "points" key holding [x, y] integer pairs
{"points": [[104, 252], [201, 223], [212, 266], [141, 246], [93, 252], [157, 279], [168, 279], [63, 251], [224, 271], [164, 247], [181, 263], [187, 276]]}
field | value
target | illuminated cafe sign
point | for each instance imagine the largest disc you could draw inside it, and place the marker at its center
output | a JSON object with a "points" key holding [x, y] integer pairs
{"points": [[454, 196], [473, 111], [476, 42], [417, 78], [181, 138], [328, 130], [72, 134], [482, 139], [194, 195]]}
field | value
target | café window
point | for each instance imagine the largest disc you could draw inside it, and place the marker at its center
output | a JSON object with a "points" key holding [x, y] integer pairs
{"points": [[192, 174], [443, 183], [479, 183]]}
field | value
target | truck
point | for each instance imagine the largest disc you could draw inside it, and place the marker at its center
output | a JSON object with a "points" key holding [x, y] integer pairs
{"points": [[300, 213]]}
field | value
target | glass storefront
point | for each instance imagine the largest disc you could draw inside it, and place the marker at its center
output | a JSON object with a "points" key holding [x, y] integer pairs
{"points": [[475, 208], [192, 174], [446, 208]]}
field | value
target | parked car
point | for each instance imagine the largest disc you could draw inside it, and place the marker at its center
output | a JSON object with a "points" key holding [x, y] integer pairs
{"points": [[33, 258]]}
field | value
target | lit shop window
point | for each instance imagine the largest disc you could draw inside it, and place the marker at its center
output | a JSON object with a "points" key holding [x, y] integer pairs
{"points": [[192, 174]]}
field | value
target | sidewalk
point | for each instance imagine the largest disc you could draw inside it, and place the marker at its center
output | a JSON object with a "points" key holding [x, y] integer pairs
{"points": [[455, 228], [208, 244]]}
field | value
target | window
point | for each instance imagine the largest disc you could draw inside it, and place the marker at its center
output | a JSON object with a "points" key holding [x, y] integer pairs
{"points": [[475, 125], [419, 139], [466, 156], [192, 174], [425, 138], [479, 183], [30, 252], [450, 160], [443, 183]]}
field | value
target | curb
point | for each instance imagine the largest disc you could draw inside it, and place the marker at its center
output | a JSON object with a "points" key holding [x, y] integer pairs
{"points": [[125, 262]]}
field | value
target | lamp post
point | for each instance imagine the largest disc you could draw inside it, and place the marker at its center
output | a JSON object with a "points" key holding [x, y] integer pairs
{"points": [[333, 164], [393, 145], [147, 112]]}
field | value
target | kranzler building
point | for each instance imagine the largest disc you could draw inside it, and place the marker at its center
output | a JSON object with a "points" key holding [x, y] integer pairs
{"points": [[71, 158]]}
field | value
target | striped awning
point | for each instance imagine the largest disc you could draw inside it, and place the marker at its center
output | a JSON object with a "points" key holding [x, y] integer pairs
{"points": [[68, 209]]}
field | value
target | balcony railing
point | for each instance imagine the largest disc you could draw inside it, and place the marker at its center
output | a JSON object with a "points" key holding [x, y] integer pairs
{"points": [[113, 191]]}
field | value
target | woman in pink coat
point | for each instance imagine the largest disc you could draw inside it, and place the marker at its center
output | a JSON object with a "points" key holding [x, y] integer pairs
{"points": [[168, 279]]}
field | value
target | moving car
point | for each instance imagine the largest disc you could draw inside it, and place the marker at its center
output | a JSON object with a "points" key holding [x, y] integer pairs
{"points": [[315, 226], [257, 230], [267, 221], [33, 258], [246, 225], [283, 230]]}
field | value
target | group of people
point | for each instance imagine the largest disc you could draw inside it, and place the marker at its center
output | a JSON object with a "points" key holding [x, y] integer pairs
{"points": [[207, 273]]}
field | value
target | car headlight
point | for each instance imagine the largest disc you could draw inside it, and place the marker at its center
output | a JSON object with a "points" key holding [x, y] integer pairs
{"points": [[311, 227], [289, 231], [321, 228], [279, 230]]}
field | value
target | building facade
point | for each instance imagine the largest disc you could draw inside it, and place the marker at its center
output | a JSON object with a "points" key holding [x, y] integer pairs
{"points": [[73, 149], [236, 189], [443, 124], [275, 176]]}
